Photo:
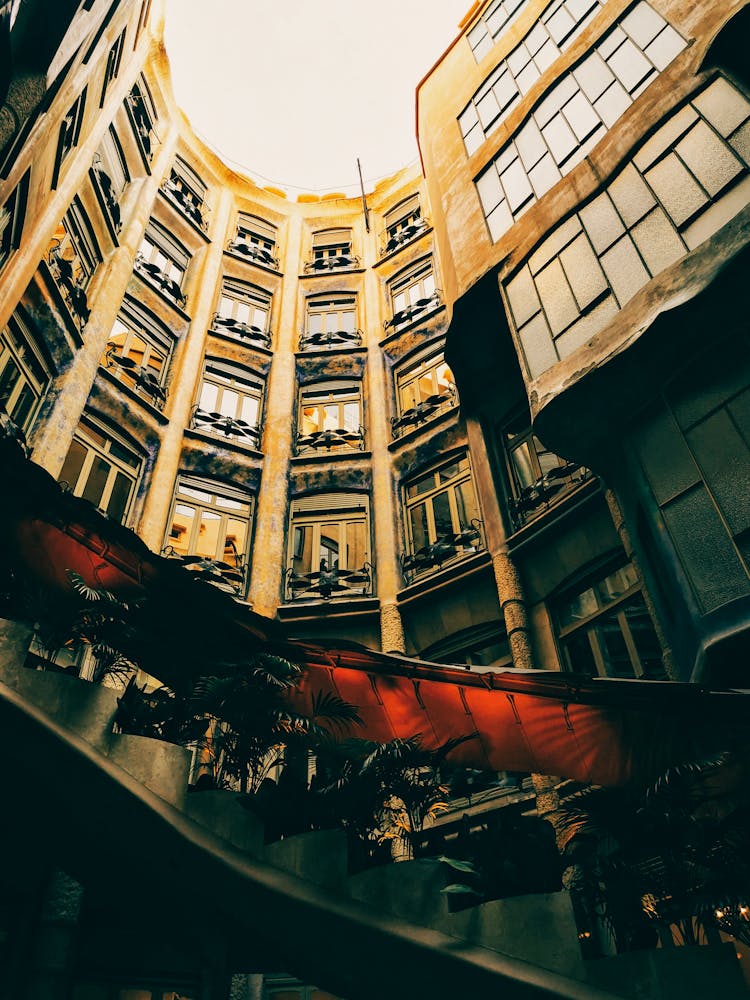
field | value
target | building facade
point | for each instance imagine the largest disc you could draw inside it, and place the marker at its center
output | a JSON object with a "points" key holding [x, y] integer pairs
{"points": [[480, 422]]}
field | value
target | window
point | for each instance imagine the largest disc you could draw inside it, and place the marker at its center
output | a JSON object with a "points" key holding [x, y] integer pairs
{"points": [[102, 469], [187, 190], [331, 248], [402, 224], [70, 131], [255, 239], [229, 403], [114, 58], [142, 20], [605, 629], [110, 175], [330, 417], [413, 295], [139, 352], [12, 216], [537, 476], [329, 547], [479, 648], [23, 375], [212, 524], [142, 114], [423, 389], [244, 311], [492, 21], [442, 517], [331, 323], [73, 256], [163, 261]]}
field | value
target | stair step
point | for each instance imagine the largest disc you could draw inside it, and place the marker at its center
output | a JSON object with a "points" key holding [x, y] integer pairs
{"points": [[221, 813], [161, 767], [320, 856], [85, 708]]}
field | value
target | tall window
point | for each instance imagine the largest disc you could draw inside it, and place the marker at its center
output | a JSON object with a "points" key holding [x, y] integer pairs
{"points": [[138, 351], [70, 132], [330, 417], [442, 517], [413, 295], [163, 261], [114, 58], [402, 224], [493, 19], [229, 404], [110, 174], [605, 629], [244, 311], [423, 389], [73, 255], [331, 248], [23, 375], [12, 215], [255, 239], [331, 322], [329, 546], [537, 476], [142, 114], [211, 523], [187, 190], [101, 468]]}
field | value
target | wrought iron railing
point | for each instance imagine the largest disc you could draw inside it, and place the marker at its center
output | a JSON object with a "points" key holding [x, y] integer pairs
{"points": [[143, 379], [330, 340], [106, 190], [155, 276], [439, 402], [340, 438], [421, 307], [11, 431], [221, 424], [254, 252], [444, 549], [390, 242], [197, 212], [534, 500], [223, 575], [144, 127], [66, 272], [336, 262], [236, 328], [327, 583]]}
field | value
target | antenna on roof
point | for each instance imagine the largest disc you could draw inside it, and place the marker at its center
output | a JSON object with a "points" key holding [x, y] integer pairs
{"points": [[364, 200]]}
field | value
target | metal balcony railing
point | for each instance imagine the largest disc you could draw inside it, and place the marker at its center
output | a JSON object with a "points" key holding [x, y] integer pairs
{"points": [[444, 549], [430, 407], [197, 212], [68, 273], [422, 307], [392, 241], [236, 328], [253, 251], [536, 499], [157, 277], [326, 583], [144, 380], [336, 262], [330, 340], [341, 438], [228, 427], [106, 190], [225, 576]]}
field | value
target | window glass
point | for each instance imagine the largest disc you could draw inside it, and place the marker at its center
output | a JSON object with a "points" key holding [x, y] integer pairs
{"points": [[101, 469]]}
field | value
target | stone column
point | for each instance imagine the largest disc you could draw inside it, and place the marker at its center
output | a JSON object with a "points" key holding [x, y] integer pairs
{"points": [[246, 986], [53, 951], [391, 629], [510, 595]]}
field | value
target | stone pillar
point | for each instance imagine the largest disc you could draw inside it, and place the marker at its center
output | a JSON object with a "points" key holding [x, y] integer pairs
{"points": [[14, 644], [391, 629], [618, 519], [53, 952], [510, 594], [246, 986]]}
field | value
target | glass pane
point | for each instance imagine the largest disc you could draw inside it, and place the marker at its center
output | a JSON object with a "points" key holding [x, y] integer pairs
{"points": [[644, 636], [315, 324], [209, 396], [356, 545], [225, 306], [617, 583], [523, 466], [579, 607], [351, 416], [329, 549], [242, 312], [418, 521], [331, 420], [408, 395], [466, 504], [547, 459], [182, 524], [302, 553], [8, 378], [228, 405], [235, 541], [23, 406], [617, 661], [97, 481], [118, 500], [443, 378], [156, 361], [423, 485], [208, 535], [311, 419], [136, 349], [426, 386], [347, 322], [249, 410], [578, 655], [442, 513]]}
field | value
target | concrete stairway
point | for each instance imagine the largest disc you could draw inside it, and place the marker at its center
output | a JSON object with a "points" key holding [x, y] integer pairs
{"points": [[526, 945]]}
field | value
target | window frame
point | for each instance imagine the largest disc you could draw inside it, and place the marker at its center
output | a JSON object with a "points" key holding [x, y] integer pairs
{"points": [[255, 238], [416, 307], [140, 376], [112, 67], [12, 219], [19, 347], [341, 335], [340, 438], [413, 372], [243, 295], [87, 426], [226, 378], [162, 244], [69, 134], [185, 188], [402, 223]]}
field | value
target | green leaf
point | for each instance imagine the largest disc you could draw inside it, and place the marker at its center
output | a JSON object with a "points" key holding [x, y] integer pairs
{"points": [[459, 866], [455, 889]]}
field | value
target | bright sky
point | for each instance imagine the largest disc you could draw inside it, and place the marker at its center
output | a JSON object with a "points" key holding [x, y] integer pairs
{"points": [[293, 91]]}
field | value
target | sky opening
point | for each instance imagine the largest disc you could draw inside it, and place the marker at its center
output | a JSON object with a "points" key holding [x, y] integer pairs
{"points": [[293, 91]]}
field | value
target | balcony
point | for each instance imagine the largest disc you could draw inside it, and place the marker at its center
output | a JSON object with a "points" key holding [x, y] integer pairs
{"points": [[69, 275], [106, 192], [430, 407], [444, 549], [236, 328], [142, 124], [340, 439], [334, 262], [162, 281], [220, 424], [222, 575], [327, 583], [254, 252], [142, 379], [390, 240], [196, 211], [330, 340], [537, 498], [420, 308]]}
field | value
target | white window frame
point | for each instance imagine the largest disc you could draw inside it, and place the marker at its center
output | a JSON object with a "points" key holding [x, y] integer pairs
{"points": [[87, 435]]}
